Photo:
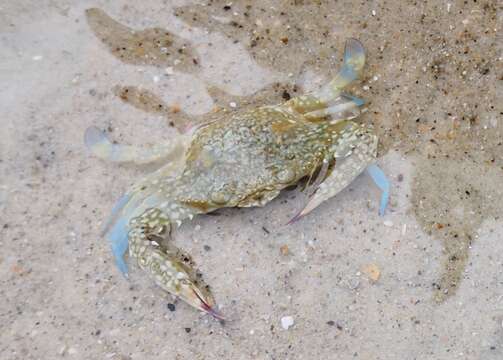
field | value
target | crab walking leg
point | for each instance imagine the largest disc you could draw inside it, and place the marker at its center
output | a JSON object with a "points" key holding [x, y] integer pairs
{"points": [[344, 111], [361, 153], [98, 143], [382, 183], [164, 265]]}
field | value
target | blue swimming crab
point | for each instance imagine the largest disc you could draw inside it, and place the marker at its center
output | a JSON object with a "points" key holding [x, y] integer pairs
{"points": [[240, 159]]}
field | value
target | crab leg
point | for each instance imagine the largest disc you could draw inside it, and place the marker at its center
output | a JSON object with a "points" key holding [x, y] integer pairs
{"points": [[145, 194], [354, 61], [341, 111], [165, 265], [98, 143], [361, 152], [382, 183], [330, 100]]}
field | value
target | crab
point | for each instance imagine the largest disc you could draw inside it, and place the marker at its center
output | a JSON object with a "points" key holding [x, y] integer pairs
{"points": [[241, 159]]}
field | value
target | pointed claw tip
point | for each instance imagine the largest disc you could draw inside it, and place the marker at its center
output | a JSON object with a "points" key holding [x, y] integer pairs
{"points": [[384, 205], [204, 305], [211, 311], [294, 219]]}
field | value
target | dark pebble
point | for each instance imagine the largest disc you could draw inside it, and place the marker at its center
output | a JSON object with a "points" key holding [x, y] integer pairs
{"points": [[331, 323], [187, 330], [207, 247], [171, 307], [400, 178], [286, 95]]}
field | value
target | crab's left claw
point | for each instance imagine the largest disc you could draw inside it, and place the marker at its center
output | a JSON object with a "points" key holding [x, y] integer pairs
{"points": [[201, 300], [382, 183]]}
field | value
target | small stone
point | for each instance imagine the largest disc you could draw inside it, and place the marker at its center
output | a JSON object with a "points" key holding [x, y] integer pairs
{"points": [[388, 223], [232, 104], [284, 250], [400, 178], [207, 247], [17, 269], [287, 322], [187, 330], [175, 108], [169, 70], [372, 271], [37, 57], [285, 95], [62, 350], [330, 323], [171, 307]]}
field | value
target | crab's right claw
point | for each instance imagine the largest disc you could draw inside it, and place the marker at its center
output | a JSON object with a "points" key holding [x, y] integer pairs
{"points": [[382, 183]]}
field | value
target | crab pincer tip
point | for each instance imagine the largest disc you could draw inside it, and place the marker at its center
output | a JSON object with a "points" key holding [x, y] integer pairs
{"points": [[211, 310], [294, 219]]}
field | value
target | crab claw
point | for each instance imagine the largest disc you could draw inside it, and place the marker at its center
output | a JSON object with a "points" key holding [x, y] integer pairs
{"points": [[295, 218], [192, 295], [311, 205]]}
